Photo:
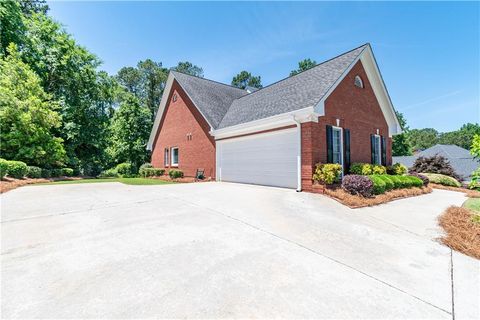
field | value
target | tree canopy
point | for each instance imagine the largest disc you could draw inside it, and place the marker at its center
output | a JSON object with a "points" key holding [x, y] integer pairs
{"points": [[303, 65], [244, 79], [189, 68]]}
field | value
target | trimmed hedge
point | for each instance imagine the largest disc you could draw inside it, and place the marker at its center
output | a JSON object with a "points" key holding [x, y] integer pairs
{"points": [[382, 183], [67, 172], [125, 170], [422, 177], [357, 185], [16, 169], [379, 185], [46, 173], [327, 173], [151, 172], [34, 172], [3, 168], [175, 174], [110, 173], [361, 169], [442, 179]]}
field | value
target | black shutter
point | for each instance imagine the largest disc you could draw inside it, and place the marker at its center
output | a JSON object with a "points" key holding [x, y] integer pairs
{"points": [[346, 147], [372, 144], [384, 151], [329, 144]]}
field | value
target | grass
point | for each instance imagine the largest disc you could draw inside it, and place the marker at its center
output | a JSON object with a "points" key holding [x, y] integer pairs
{"points": [[129, 181], [472, 204], [462, 230]]}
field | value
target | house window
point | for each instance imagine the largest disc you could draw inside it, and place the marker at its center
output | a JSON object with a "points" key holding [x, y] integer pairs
{"points": [[337, 145], [166, 157], [377, 149], [358, 82], [174, 156]]}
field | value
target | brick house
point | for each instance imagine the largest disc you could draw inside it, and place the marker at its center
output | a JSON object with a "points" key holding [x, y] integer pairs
{"points": [[337, 112]]}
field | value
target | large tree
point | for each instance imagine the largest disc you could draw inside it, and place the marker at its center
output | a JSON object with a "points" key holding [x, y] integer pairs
{"points": [[33, 6], [130, 129], [421, 139], [12, 28], [303, 65], [401, 145], [244, 79], [462, 137], [189, 68], [28, 116]]}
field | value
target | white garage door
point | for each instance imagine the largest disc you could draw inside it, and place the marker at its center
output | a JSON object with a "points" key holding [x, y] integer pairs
{"points": [[266, 159]]}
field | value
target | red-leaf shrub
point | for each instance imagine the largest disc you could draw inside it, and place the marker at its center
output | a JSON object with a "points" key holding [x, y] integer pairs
{"points": [[435, 164], [357, 185]]}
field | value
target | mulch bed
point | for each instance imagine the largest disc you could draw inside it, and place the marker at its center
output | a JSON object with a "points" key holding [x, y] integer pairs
{"points": [[468, 192], [354, 201], [461, 232], [7, 184]]}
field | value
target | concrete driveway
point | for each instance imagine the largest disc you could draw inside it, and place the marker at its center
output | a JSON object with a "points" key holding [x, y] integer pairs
{"points": [[220, 250]]}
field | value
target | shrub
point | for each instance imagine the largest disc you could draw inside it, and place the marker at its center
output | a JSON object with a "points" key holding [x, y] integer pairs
{"points": [[475, 182], [67, 172], [46, 173], [364, 169], [389, 185], [397, 169], [379, 185], [110, 173], [3, 168], [175, 174], [414, 181], [442, 179], [141, 170], [16, 169], [435, 164], [422, 177], [151, 172], [327, 173], [56, 172], [34, 172], [357, 185], [125, 170], [397, 183], [379, 169]]}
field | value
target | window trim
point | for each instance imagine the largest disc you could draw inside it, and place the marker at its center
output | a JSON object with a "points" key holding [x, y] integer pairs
{"points": [[378, 156], [357, 77], [171, 157], [342, 160], [166, 157]]}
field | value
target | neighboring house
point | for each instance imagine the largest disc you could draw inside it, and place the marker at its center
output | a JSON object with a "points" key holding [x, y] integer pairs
{"points": [[338, 111], [461, 160]]}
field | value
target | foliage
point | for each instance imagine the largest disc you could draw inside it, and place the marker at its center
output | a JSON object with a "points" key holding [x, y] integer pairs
{"points": [[109, 173], [33, 6], [475, 182], [462, 137], [442, 179], [401, 145], [244, 79], [422, 177], [327, 173], [67, 172], [46, 173], [12, 28], [28, 115], [151, 172], [382, 183], [397, 169], [175, 174], [303, 65], [475, 147], [34, 172], [435, 164], [379, 185], [389, 184], [379, 169], [130, 129], [56, 172], [127, 181], [16, 169], [3, 167], [189, 68], [125, 170], [358, 185], [361, 168]]}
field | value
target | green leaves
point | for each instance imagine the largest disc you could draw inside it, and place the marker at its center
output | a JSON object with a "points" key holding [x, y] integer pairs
{"points": [[244, 79], [303, 65]]}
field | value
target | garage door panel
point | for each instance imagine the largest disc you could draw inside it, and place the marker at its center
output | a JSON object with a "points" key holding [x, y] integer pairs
{"points": [[266, 159]]}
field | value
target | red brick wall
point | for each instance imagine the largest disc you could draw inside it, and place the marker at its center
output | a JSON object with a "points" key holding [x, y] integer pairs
{"points": [[358, 110], [179, 119]]}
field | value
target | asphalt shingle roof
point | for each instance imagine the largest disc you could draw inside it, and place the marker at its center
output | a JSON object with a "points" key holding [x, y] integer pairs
{"points": [[212, 98], [293, 93], [461, 160]]}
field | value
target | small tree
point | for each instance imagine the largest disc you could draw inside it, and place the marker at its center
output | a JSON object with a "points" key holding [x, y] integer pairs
{"points": [[435, 164], [28, 116], [475, 147]]}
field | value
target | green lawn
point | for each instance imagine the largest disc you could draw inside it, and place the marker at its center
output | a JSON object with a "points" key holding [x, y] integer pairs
{"points": [[130, 181], [472, 204]]}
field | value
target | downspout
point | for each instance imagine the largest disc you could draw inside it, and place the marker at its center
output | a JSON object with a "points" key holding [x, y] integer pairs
{"points": [[299, 154]]}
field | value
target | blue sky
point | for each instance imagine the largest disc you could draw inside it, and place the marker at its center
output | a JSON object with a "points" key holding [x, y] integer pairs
{"points": [[428, 52]]}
